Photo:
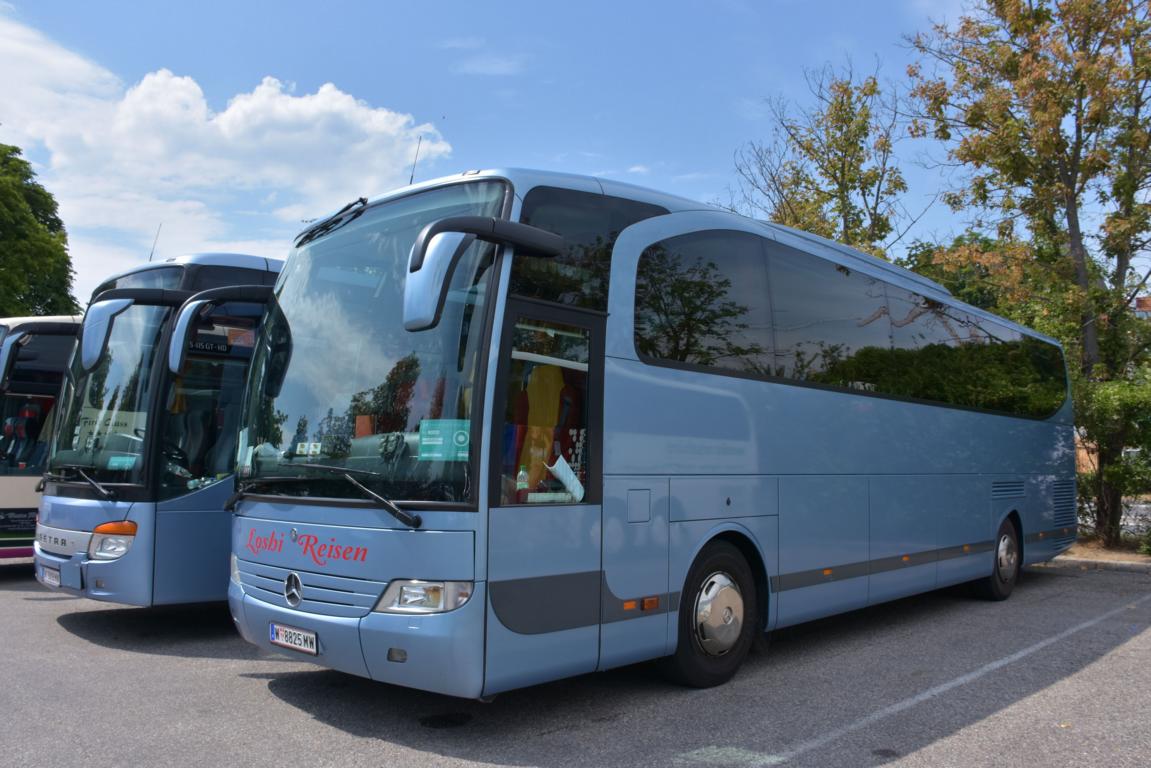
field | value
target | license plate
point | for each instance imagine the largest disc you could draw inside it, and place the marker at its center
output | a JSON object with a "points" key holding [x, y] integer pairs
{"points": [[289, 637], [50, 577]]}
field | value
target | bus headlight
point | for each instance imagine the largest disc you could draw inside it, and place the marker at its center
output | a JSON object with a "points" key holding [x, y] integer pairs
{"points": [[415, 596], [235, 568], [111, 540]]}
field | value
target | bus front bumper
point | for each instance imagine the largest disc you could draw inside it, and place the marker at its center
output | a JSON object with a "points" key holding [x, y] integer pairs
{"points": [[441, 653], [127, 581]]}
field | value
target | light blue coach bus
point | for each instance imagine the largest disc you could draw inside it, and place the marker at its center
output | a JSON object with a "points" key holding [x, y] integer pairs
{"points": [[511, 426], [133, 509]]}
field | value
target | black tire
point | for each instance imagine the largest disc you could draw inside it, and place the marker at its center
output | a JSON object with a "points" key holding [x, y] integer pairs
{"points": [[1007, 559], [705, 656]]}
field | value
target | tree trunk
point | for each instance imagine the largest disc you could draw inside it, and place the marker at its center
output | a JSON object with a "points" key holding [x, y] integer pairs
{"points": [[1090, 331], [1108, 497]]}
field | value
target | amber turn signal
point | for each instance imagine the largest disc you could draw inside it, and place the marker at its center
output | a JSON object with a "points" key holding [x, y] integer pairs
{"points": [[117, 528]]}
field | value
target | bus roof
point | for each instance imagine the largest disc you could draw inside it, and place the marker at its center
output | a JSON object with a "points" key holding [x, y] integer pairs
{"points": [[526, 178], [243, 260], [13, 323]]}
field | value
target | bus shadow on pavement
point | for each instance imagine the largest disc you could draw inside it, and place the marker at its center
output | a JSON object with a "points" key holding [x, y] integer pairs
{"points": [[20, 576], [196, 631], [816, 678]]}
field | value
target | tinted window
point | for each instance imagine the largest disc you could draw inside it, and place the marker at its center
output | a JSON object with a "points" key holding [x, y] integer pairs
{"points": [[946, 355], [827, 317], [160, 277], [40, 364], [590, 223], [702, 299], [204, 277]]}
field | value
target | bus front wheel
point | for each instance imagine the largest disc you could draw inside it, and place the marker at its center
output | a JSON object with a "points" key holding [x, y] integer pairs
{"points": [[1005, 571], [718, 618]]}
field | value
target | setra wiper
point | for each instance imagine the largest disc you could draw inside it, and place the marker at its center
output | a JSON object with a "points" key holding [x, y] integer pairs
{"points": [[106, 493], [333, 222], [412, 520]]}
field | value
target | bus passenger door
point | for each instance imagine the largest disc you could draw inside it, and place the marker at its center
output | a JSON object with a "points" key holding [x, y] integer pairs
{"points": [[544, 522]]}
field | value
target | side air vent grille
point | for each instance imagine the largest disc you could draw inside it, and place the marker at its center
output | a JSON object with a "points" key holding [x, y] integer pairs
{"points": [[1064, 503], [1007, 489]]}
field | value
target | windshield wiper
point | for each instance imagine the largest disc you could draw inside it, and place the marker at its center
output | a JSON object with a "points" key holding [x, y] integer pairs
{"points": [[106, 493], [246, 487], [333, 222], [407, 518]]}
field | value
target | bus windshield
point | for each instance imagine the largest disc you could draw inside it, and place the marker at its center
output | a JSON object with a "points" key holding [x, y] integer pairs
{"points": [[104, 416], [337, 381]]}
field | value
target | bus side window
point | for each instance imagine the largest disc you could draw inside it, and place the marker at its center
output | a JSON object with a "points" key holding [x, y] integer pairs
{"points": [[702, 301], [544, 458]]}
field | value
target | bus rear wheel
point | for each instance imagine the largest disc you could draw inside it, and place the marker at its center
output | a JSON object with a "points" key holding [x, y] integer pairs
{"points": [[1005, 572], [718, 618]]}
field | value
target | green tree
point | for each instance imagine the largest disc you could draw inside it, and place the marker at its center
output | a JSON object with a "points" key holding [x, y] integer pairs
{"points": [[1044, 102], [830, 169], [35, 269]]}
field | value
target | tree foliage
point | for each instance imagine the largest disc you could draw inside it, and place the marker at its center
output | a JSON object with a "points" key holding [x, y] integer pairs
{"points": [[1044, 103], [35, 269], [829, 169]]}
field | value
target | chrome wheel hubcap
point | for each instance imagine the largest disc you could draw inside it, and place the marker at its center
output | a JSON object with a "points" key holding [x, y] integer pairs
{"points": [[718, 614], [1007, 555]]}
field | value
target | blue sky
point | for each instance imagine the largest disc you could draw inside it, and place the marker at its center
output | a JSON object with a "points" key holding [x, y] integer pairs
{"points": [[231, 121]]}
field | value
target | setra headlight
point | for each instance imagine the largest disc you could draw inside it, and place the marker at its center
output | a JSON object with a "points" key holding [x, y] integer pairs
{"points": [[111, 540]]}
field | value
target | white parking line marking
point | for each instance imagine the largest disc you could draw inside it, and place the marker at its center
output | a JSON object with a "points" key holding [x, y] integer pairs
{"points": [[743, 757]]}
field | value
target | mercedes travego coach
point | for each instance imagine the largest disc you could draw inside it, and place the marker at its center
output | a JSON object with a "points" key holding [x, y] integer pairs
{"points": [[510, 426], [34, 352], [133, 508]]}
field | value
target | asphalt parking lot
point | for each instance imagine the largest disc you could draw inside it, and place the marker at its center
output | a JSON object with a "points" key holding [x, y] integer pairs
{"points": [[1058, 675]]}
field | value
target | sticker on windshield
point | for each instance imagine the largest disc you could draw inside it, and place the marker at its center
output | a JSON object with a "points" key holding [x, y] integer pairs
{"points": [[445, 439], [122, 462]]}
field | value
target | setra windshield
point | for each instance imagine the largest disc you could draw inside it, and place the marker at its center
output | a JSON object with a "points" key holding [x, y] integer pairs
{"points": [[104, 412], [337, 381]]}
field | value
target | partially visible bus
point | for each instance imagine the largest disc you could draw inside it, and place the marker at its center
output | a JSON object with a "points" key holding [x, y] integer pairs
{"points": [[34, 352], [512, 426], [133, 508]]}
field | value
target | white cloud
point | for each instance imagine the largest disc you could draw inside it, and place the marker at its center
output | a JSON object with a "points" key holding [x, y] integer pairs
{"points": [[492, 65], [123, 159], [642, 170]]}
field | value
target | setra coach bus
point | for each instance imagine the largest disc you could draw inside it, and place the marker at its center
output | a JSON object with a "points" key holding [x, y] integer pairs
{"points": [[133, 508], [511, 426], [34, 353]]}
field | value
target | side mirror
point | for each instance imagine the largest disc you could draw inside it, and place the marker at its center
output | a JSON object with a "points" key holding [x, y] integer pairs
{"points": [[438, 249], [178, 344], [9, 351], [97, 326], [202, 303]]}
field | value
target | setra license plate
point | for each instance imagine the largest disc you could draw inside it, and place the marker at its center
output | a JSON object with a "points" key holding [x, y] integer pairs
{"points": [[289, 637], [50, 577]]}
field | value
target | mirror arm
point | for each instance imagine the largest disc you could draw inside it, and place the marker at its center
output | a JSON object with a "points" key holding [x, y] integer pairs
{"points": [[178, 344], [8, 355], [538, 241]]}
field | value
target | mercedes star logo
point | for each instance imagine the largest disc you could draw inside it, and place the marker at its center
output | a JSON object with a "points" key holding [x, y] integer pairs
{"points": [[293, 590]]}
